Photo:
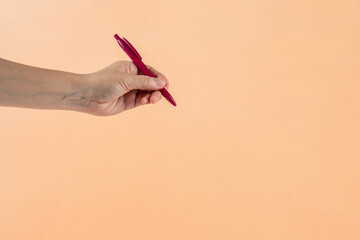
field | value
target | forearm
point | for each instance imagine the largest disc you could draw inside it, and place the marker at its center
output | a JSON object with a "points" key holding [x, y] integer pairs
{"points": [[32, 87]]}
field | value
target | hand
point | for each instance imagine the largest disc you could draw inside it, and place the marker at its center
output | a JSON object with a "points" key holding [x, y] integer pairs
{"points": [[120, 87]]}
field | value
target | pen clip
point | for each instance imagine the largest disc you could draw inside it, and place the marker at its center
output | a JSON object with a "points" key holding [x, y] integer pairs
{"points": [[127, 47], [132, 48]]}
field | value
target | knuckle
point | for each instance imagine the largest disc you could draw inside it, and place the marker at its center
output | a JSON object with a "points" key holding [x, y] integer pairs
{"points": [[127, 84], [149, 82], [132, 68]]}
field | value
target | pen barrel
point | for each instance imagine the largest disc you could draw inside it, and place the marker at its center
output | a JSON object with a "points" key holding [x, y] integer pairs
{"points": [[142, 67]]}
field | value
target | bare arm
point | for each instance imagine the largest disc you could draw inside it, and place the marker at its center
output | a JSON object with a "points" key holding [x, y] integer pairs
{"points": [[109, 91]]}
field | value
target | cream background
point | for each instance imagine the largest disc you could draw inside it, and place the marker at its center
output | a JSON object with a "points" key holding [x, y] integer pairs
{"points": [[264, 142]]}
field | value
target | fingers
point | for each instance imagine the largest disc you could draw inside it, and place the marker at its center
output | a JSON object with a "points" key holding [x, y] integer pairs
{"points": [[155, 97], [140, 99], [132, 82], [157, 74], [151, 97], [147, 98]]}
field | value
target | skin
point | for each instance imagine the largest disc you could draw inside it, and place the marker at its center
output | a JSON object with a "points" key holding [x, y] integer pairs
{"points": [[109, 91]]}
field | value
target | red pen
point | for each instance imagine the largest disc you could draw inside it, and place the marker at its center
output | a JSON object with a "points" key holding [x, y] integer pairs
{"points": [[136, 58]]}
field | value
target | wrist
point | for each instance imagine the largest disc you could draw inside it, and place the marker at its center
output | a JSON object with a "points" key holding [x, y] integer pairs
{"points": [[79, 93]]}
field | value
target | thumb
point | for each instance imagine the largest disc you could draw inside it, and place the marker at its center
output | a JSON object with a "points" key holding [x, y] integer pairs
{"points": [[132, 82]]}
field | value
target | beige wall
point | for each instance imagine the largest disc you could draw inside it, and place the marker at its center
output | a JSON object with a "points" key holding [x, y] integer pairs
{"points": [[264, 142]]}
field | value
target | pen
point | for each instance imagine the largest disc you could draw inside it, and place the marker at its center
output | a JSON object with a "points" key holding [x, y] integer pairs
{"points": [[136, 58]]}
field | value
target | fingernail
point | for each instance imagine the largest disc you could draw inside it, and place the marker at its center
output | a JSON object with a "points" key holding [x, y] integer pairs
{"points": [[160, 82]]}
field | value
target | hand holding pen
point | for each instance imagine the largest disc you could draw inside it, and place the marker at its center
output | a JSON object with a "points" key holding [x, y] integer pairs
{"points": [[123, 85], [114, 89], [137, 60], [119, 87]]}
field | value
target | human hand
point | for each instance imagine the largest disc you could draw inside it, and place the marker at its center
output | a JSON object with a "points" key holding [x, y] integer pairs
{"points": [[121, 87]]}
